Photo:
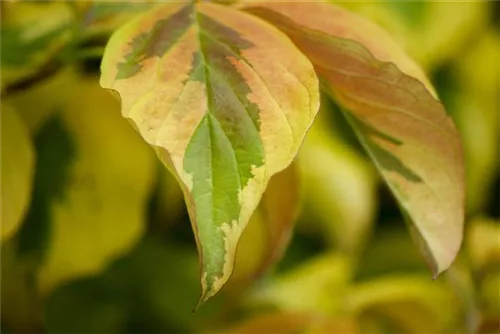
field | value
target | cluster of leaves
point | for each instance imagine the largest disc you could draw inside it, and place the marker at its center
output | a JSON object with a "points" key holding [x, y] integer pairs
{"points": [[225, 95]]}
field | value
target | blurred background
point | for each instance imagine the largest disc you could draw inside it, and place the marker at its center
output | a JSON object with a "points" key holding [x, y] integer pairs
{"points": [[96, 237]]}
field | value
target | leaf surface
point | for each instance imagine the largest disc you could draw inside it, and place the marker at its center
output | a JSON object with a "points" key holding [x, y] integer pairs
{"points": [[394, 111], [18, 165], [226, 100]]}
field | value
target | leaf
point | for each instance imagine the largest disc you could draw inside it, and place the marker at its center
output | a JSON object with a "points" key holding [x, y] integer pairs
{"points": [[31, 35], [269, 231], [93, 193], [37, 104], [18, 165], [293, 322], [21, 309], [475, 103], [104, 17], [203, 85], [138, 293], [432, 32], [395, 113], [339, 188], [413, 302], [483, 243], [309, 287]]}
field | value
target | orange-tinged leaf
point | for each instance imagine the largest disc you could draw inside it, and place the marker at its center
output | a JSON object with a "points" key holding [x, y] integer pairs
{"points": [[204, 85], [394, 111]]}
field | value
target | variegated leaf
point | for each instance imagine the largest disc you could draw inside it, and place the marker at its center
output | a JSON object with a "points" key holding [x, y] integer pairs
{"points": [[226, 100], [394, 111]]}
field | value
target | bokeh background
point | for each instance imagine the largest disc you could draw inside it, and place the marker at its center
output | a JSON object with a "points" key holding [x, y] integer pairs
{"points": [[96, 238]]}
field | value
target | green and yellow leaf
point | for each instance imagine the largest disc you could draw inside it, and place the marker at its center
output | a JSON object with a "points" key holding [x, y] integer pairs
{"points": [[32, 34], [226, 100], [98, 211], [18, 166], [394, 111]]}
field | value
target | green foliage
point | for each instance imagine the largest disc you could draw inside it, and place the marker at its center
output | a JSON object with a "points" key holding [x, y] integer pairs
{"points": [[292, 139]]}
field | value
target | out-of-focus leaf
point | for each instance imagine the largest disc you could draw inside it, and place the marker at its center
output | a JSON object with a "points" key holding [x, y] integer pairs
{"points": [[483, 243], [339, 188], [31, 34], [38, 103], [288, 323], [170, 204], [200, 85], [21, 310], [395, 113], [414, 304], [390, 251], [316, 286], [447, 28], [476, 104], [106, 16], [138, 293], [18, 162], [460, 280], [432, 32], [490, 297], [269, 230], [98, 213]]}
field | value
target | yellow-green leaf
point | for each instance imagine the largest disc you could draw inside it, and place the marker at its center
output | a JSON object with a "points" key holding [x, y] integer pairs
{"points": [[293, 322], [476, 104], [483, 243], [394, 111], [105, 16], [433, 32], [309, 287], [18, 162], [226, 100], [38, 103], [339, 188], [99, 209], [32, 33], [21, 309], [413, 303]]}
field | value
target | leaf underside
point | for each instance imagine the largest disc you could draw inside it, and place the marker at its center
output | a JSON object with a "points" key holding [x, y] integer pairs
{"points": [[226, 100]]}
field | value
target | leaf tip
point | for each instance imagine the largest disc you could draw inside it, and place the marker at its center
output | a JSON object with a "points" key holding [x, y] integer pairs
{"points": [[444, 262]]}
